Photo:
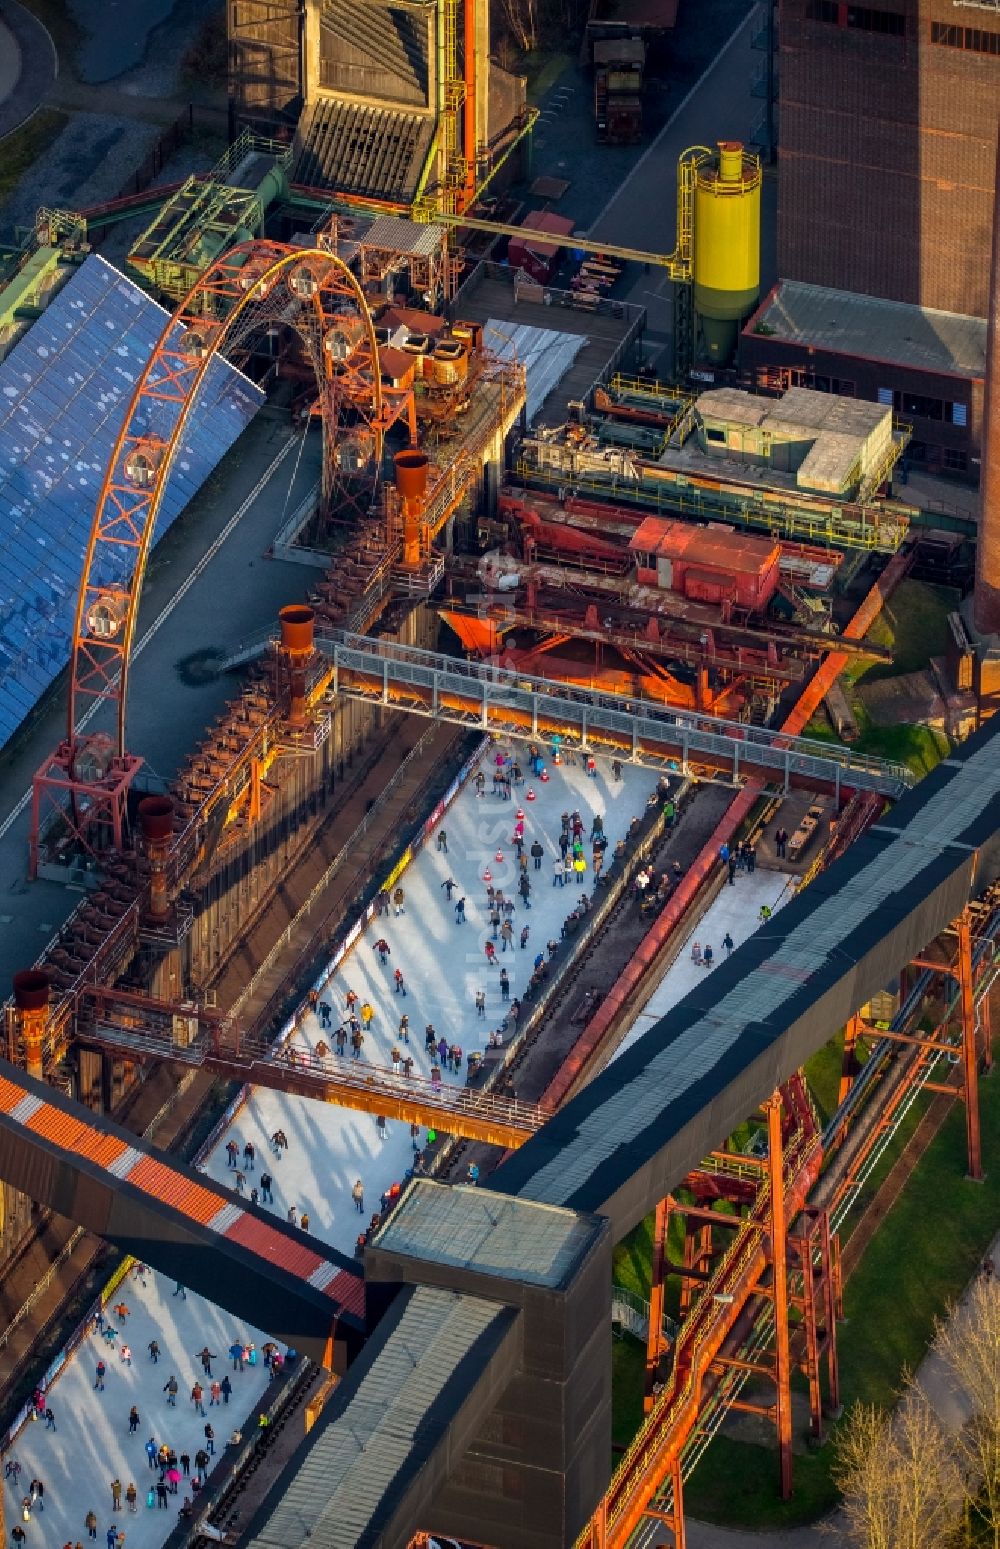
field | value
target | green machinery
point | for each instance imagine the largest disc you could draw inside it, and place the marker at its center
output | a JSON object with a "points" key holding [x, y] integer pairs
{"points": [[207, 214]]}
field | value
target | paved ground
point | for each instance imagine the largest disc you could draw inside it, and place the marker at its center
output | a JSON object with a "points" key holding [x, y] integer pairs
{"points": [[643, 212], [28, 65], [232, 590], [121, 88]]}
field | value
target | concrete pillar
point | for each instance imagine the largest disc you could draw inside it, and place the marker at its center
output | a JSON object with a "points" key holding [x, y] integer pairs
{"points": [[312, 22], [986, 597]]}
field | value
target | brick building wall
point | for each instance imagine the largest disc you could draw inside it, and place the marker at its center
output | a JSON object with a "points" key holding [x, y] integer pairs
{"points": [[888, 130]]}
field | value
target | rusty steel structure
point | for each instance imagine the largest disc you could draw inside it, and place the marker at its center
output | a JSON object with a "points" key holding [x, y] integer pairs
{"points": [[87, 779], [137, 1027]]}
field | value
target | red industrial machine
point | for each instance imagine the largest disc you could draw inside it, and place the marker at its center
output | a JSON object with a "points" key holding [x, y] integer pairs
{"points": [[699, 616]]}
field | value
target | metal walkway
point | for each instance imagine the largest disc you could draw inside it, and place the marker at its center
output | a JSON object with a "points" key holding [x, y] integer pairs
{"points": [[330, 1078], [178, 1220], [639, 732]]}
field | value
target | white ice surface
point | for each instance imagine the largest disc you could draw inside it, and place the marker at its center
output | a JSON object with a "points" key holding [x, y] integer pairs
{"points": [[444, 965], [736, 910], [91, 1444]]}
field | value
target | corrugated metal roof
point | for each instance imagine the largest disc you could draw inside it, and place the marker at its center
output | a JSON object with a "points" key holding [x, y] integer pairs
{"points": [[624, 1113], [473, 1229], [397, 234], [363, 1459], [874, 329], [545, 353], [64, 389]]}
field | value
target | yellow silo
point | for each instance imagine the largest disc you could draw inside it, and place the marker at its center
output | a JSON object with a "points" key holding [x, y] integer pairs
{"points": [[726, 256]]}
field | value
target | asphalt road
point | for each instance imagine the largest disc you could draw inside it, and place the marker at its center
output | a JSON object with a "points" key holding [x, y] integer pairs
{"points": [[643, 211], [231, 591], [27, 64]]}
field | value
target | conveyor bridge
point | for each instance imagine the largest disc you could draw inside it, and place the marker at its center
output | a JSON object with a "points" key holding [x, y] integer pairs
{"points": [[180, 1221], [511, 704], [472, 1113]]}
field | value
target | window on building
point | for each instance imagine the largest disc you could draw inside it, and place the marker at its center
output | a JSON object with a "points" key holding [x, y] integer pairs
{"points": [[714, 435], [923, 407], [859, 18], [955, 460], [802, 376], [975, 40], [886, 396]]}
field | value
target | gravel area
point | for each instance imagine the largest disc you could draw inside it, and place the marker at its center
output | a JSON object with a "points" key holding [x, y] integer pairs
{"points": [[89, 161]]}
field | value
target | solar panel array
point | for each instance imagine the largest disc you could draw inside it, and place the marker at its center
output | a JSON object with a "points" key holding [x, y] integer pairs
{"points": [[64, 391]]}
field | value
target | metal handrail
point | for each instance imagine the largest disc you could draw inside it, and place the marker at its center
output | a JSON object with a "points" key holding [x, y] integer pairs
{"points": [[356, 1074]]}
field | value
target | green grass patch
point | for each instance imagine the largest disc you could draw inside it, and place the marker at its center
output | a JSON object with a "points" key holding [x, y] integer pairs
{"points": [[823, 1075], [22, 147], [920, 748], [543, 68], [736, 1485], [921, 1258], [913, 625], [628, 1366]]}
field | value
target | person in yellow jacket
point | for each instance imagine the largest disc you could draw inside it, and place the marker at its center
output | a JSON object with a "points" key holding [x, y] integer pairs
{"points": [[580, 867]]}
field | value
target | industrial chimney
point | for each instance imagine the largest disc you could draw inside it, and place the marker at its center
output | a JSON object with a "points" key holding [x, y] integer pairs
{"points": [[156, 820], [986, 597], [31, 998], [297, 633]]}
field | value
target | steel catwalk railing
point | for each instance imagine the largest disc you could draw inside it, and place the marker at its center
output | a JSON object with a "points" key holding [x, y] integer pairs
{"points": [[264, 1065], [523, 706]]}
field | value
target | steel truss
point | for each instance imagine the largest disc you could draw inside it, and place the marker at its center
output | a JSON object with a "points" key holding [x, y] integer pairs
{"points": [[251, 287]]}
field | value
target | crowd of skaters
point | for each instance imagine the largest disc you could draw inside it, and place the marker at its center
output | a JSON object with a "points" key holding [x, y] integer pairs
{"points": [[578, 855], [175, 1473]]}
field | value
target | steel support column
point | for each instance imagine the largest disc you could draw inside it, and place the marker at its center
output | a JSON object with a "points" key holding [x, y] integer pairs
{"points": [[849, 1064], [654, 1335], [779, 1272], [970, 1046]]}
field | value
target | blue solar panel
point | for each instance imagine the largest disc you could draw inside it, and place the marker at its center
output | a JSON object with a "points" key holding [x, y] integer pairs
{"points": [[64, 390]]}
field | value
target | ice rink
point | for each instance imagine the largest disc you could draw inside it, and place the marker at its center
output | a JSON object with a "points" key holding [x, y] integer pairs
{"points": [[91, 1445], [444, 964], [736, 910]]}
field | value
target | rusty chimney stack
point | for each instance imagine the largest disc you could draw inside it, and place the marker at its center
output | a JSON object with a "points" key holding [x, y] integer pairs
{"points": [[986, 597], [31, 997], [156, 819], [297, 623], [411, 481]]}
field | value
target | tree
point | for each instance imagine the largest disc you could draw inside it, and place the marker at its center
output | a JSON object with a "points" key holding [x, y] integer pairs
{"points": [[521, 17], [968, 1343], [902, 1486]]}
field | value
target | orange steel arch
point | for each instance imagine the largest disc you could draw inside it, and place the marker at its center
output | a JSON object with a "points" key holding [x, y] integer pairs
{"points": [[140, 463]]}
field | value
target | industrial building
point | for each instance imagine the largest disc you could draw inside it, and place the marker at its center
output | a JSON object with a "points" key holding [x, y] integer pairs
{"points": [[397, 102], [926, 366], [888, 128]]}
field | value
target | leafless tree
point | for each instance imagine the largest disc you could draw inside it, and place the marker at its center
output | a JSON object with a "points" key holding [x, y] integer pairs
{"points": [[521, 17], [968, 1342], [903, 1488]]}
